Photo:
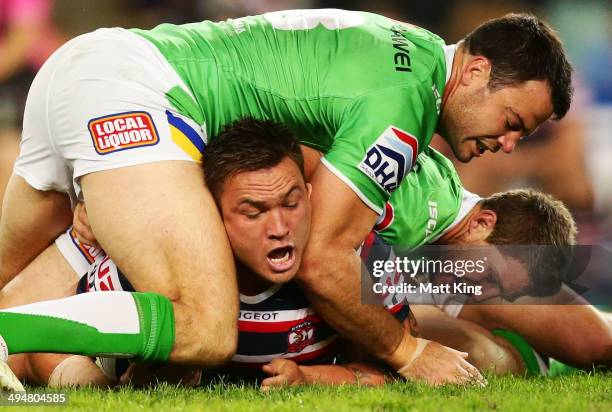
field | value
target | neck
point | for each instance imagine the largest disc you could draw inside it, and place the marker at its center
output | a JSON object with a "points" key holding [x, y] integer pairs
{"points": [[459, 229], [455, 77], [249, 282]]}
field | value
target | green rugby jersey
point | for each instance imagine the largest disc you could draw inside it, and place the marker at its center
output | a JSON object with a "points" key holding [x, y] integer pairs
{"points": [[362, 88], [430, 201]]}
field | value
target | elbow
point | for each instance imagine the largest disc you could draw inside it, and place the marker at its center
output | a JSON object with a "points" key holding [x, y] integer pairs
{"points": [[598, 351], [593, 349]]}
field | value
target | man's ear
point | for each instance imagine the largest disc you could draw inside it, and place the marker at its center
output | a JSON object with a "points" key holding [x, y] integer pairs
{"points": [[476, 69], [483, 222], [309, 189]]}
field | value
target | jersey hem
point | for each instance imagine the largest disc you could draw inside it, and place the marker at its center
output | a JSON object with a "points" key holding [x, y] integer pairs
{"points": [[353, 187], [103, 167], [37, 184]]}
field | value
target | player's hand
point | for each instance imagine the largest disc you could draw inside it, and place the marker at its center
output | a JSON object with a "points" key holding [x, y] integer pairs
{"points": [[283, 372], [80, 224], [439, 365]]}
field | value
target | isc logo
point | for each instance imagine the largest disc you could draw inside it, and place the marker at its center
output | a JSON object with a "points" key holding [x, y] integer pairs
{"points": [[390, 158], [433, 217]]}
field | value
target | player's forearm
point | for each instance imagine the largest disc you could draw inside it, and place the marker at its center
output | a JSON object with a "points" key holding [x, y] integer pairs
{"points": [[353, 373], [331, 270], [587, 339], [332, 283]]}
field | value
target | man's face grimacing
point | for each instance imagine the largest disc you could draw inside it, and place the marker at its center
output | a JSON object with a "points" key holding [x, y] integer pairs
{"points": [[504, 276], [475, 118], [267, 218]]}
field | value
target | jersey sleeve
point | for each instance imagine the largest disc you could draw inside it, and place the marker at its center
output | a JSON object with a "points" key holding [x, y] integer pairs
{"points": [[379, 140]]}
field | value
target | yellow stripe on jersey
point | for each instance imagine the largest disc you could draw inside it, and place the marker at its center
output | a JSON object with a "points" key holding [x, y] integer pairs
{"points": [[184, 143]]}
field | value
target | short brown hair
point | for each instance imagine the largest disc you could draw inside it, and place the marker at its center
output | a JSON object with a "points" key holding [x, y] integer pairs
{"points": [[522, 47], [247, 145], [528, 217]]}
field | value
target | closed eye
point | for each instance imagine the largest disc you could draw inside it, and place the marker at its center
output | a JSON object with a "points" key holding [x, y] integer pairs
{"points": [[513, 127]]}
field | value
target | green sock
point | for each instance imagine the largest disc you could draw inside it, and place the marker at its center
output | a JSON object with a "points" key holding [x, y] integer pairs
{"points": [[558, 368], [534, 365], [120, 324]]}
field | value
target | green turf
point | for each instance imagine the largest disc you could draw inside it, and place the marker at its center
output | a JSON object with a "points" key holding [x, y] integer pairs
{"points": [[564, 393]]}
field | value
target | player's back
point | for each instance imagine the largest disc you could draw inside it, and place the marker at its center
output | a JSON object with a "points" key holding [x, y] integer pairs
{"points": [[308, 69]]}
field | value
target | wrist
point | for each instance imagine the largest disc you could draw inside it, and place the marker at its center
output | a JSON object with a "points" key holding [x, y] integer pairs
{"points": [[405, 352], [304, 375]]}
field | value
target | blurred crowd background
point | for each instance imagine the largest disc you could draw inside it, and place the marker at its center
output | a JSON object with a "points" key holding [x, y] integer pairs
{"points": [[571, 159]]}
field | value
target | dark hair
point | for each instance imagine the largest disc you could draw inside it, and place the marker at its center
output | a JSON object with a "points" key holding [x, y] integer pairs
{"points": [[526, 218], [529, 217], [522, 47], [245, 146]]}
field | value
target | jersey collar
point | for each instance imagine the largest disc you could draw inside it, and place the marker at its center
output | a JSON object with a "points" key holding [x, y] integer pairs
{"points": [[260, 297], [468, 201], [449, 56]]}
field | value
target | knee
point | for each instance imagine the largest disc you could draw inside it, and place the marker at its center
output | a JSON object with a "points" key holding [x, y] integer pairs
{"points": [[595, 348], [206, 338], [213, 347], [487, 355]]}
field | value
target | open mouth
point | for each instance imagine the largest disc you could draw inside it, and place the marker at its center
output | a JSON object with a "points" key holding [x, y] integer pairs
{"points": [[281, 259]]}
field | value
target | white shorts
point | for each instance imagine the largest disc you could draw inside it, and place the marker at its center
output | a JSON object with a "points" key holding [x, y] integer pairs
{"points": [[80, 257], [99, 103]]}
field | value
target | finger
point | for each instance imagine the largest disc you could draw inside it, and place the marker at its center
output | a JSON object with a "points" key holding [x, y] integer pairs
{"points": [[279, 363], [464, 355], [471, 369], [269, 369], [278, 380], [462, 377], [264, 386], [474, 375], [83, 235], [477, 378], [81, 225], [481, 381]]}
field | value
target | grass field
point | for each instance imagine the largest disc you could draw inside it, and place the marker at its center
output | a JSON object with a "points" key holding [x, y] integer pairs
{"points": [[566, 393]]}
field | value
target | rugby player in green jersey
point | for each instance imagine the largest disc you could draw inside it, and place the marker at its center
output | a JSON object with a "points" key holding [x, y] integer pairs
{"points": [[500, 337], [131, 111], [461, 218], [438, 210]]}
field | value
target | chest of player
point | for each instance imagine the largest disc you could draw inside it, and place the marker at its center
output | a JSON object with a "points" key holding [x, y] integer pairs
{"points": [[280, 323]]}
